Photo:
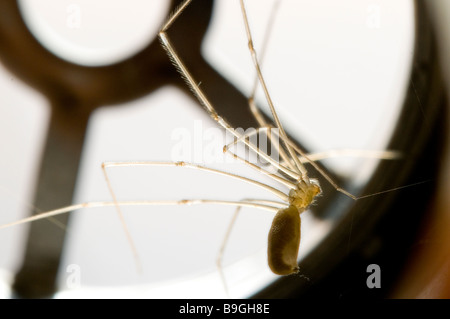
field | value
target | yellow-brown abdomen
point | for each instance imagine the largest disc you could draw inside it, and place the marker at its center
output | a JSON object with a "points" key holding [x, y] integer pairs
{"points": [[284, 241]]}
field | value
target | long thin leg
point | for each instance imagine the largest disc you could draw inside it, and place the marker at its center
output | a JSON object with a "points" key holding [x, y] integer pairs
{"points": [[317, 156], [269, 28], [222, 250], [32, 208], [106, 165], [271, 189], [263, 124], [227, 237], [384, 155], [266, 93], [264, 205], [206, 103], [283, 134], [311, 158], [251, 100], [200, 94], [261, 170], [278, 147], [122, 221], [77, 207]]}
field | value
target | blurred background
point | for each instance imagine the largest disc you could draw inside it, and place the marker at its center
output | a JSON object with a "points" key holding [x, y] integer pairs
{"points": [[341, 77], [428, 273]]}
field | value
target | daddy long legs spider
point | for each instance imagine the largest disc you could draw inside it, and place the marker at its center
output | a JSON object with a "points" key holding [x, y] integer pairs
{"points": [[158, 273]]}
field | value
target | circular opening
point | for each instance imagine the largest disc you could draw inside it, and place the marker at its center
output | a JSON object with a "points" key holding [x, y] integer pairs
{"points": [[94, 33], [195, 234]]}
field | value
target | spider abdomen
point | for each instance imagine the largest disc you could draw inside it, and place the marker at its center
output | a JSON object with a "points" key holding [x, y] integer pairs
{"points": [[284, 241]]}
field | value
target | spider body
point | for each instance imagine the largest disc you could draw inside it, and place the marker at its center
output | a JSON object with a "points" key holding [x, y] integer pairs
{"points": [[284, 234]]}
